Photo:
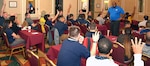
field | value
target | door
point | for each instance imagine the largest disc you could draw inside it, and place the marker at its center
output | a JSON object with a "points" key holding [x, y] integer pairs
{"points": [[32, 7], [58, 5]]}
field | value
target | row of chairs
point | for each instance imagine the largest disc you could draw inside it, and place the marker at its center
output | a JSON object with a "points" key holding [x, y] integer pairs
{"points": [[35, 60]]}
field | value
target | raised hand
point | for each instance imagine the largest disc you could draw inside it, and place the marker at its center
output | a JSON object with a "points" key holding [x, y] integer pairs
{"points": [[137, 46], [95, 36]]}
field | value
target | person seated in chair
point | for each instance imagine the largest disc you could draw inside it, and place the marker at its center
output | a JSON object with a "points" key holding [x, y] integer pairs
{"points": [[72, 49], [15, 26], [50, 20], [82, 20], [143, 23], [92, 29], [30, 21], [13, 38], [61, 25]]}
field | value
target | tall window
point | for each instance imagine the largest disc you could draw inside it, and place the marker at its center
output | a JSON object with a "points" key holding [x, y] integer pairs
{"points": [[140, 6]]}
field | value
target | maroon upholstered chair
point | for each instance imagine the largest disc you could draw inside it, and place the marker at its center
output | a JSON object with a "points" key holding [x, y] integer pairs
{"points": [[138, 36], [102, 28], [118, 53], [88, 44], [33, 58], [49, 62], [146, 59], [96, 21], [83, 28], [13, 49]]}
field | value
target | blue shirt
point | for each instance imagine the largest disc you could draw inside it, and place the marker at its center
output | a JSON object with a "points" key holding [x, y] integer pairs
{"points": [[83, 21], [71, 53], [9, 33], [61, 27], [15, 28], [49, 23], [115, 12], [2, 20]]}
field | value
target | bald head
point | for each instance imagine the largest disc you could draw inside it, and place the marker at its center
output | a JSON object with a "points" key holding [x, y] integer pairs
{"points": [[114, 4]]}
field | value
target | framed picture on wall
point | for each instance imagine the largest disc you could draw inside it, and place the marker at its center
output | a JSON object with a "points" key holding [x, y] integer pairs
{"points": [[13, 4], [97, 5]]}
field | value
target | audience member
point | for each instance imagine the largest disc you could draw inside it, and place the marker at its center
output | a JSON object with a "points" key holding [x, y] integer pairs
{"points": [[92, 29], [82, 20], [3, 15], [143, 23], [70, 17], [127, 24], [15, 27], [130, 16], [30, 21], [61, 25], [49, 20], [147, 25], [89, 16], [72, 49], [146, 29], [13, 38], [103, 58], [146, 49], [127, 32], [100, 18], [116, 14]]}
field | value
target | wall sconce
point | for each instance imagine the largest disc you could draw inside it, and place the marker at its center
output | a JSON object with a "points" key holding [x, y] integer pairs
{"points": [[30, 0], [83, 1], [106, 1], [106, 4]]}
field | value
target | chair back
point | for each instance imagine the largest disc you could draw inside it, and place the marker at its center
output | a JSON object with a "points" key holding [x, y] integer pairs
{"points": [[88, 42], [56, 36], [33, 58], [25, 23], [102, 28], [49, 62], [139, 36], [118, 52], [83, 28], [5, 40], [40, 28], [146, 59]]}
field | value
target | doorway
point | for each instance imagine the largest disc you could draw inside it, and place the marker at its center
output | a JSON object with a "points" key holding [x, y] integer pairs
{"points": [[58, 5]]}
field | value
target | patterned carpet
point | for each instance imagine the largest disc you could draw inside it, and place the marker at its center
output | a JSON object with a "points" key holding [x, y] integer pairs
{"points": [[16, 59]]}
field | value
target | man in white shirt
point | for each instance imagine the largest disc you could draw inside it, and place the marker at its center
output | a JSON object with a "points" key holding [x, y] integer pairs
{"points": [[143, 23], [103, 59], [105, 48]]}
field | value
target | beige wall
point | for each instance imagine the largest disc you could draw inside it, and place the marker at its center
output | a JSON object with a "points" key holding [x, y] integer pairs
{"points": [[46, 5], [74, 8], [128, 7], [16, 10]]}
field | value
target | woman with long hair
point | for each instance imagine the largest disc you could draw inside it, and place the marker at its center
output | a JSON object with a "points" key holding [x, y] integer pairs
{"points": [[13, 38]]}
